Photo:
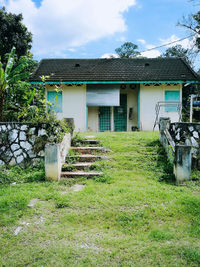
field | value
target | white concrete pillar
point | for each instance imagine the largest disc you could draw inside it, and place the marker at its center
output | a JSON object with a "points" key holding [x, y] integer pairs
{"points": [[52, 162], [182, 163]]}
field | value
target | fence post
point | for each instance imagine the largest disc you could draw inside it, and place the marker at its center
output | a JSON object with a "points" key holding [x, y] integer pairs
{"points": [[52, 162], [182, 163], [55, 156], [163, 125]]}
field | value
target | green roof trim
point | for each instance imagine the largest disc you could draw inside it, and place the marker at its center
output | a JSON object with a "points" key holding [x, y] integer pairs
{"points": [[109, 82]]}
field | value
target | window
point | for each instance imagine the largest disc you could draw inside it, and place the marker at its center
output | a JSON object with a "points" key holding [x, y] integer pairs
{"points": [[56, 99], [172, 96]]}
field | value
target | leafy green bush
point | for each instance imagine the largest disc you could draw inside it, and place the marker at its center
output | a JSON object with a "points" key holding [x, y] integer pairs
{"points": [[15, 174]]}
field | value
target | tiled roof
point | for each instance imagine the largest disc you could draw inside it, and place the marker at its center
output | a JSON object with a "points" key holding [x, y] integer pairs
{"points": [[155, 69]]}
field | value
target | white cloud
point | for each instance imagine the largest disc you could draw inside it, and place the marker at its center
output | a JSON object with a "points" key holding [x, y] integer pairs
{"points": [[152, 53], [121, 39], [71, 49], [109, 55], [186, 43], [64, 24], [143, 42]]}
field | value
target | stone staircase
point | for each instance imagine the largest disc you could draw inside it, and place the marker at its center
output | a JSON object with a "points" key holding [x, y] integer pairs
{"points": [[82, 160]]}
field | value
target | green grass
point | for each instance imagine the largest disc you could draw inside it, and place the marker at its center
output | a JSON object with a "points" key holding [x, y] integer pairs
{"points": [[134, 215]]}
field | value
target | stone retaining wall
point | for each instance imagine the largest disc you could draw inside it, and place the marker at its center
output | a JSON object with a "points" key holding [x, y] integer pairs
{"points": [[183, 141], [186, 134], [24, 143]]}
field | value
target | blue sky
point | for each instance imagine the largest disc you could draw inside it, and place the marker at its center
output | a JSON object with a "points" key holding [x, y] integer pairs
{"points": [[94, 28]]}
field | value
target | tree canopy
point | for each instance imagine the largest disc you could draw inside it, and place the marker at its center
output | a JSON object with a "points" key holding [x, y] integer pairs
{"points": [[127, 50], [192, 23], [13, 33], [178, 51]]}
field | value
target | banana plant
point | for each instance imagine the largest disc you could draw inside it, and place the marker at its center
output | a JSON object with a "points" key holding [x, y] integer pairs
{"points": [[9, 76]]}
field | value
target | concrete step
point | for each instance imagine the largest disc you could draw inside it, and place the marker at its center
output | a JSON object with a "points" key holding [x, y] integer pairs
{"points": [[78, 174], [87, 157], [90, 149], [77, 166], [90, 141]]}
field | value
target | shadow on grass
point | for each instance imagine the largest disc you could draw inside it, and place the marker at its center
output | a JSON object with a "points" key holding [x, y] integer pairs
{"points": [[163, 163]]}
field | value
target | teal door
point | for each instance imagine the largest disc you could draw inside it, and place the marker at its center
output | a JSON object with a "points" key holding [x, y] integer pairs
{"points": [[120, 115], [104, 119]]}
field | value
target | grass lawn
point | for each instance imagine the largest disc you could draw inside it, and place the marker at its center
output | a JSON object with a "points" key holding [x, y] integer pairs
{"points": [[134, 215]]}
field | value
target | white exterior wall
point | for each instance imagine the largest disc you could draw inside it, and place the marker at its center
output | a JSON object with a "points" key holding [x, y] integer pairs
{"points": [[74, 105], [93, 119], [149, 96], [132, 102]]}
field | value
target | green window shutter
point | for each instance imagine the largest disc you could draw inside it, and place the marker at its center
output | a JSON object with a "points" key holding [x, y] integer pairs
{"points": [[172, 96], [56, 99]]}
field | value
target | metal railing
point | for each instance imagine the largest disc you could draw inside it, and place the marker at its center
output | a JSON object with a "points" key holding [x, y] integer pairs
{"points": [[176, 104]]}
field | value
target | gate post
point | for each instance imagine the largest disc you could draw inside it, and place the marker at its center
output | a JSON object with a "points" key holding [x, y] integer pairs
{"points": [[164, 124], [182, 163]]}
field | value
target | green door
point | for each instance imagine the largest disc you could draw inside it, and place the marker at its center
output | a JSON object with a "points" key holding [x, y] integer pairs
{"points": [[104, 119], [120, 115]]}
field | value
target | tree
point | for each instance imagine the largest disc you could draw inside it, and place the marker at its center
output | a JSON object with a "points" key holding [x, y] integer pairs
{"points": [[192, 23], [178, 51], [13, 33], [127, 50], [10, 76]]}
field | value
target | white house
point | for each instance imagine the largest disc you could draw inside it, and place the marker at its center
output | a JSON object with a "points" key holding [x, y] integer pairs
{"points": [[115, 94]]}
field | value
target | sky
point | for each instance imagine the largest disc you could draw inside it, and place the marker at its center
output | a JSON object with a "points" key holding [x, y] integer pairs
{"points": [[95, 28]]}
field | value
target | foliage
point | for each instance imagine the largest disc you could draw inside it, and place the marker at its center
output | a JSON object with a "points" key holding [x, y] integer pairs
{"points": [[15, 174], [127, 50], [13, 33], [192, 23], [10, 76], [77, 140], [21, 101], [188, 90], [178, 51]]}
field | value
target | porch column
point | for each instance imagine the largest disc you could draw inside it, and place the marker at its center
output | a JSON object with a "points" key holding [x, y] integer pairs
{"points": [[139, 108], [112, 119], [86, 118]]}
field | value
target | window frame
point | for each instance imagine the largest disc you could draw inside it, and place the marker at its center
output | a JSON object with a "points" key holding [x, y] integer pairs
{"points": [[172, 109], [57, 108]]}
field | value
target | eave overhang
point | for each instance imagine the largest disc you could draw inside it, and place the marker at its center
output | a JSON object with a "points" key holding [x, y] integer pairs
{"points": [[109, 82]]}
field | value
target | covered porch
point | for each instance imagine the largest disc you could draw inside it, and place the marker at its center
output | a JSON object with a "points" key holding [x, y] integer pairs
{"points": [[112, 107]]}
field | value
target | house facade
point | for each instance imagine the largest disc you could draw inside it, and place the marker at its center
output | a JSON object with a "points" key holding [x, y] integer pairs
{"points": [[115, 94]]}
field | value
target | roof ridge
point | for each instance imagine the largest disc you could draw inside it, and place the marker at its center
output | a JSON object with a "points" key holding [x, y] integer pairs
{"points": [[189, 67], [141, 59]]}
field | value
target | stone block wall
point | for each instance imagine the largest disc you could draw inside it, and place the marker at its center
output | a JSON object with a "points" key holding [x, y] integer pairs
{"points": [[24, 143], [186, 134]]}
